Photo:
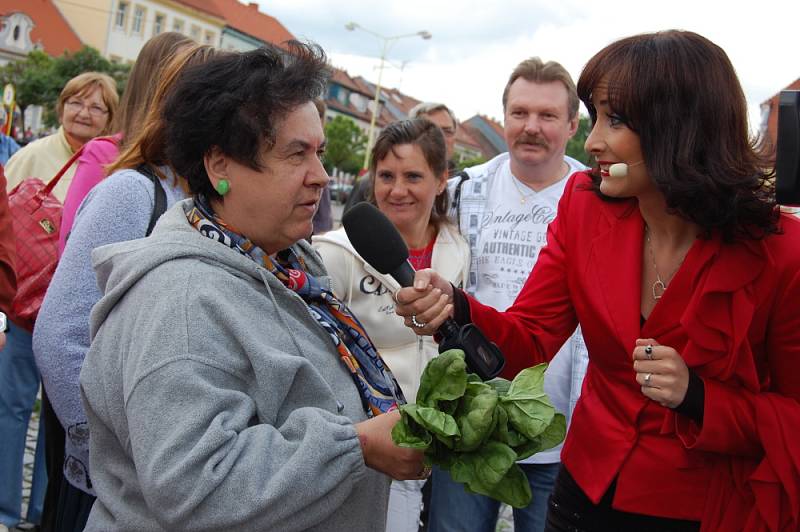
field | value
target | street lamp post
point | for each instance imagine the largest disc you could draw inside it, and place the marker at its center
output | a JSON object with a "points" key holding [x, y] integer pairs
{"points": [[387, 44]]}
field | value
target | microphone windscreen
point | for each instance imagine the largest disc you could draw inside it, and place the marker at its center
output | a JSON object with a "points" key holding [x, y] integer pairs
{"points": [[618, 170], [375, 237]]}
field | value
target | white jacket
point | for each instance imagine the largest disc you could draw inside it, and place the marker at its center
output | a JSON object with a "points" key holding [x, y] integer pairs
{"points": [[369, 295]]}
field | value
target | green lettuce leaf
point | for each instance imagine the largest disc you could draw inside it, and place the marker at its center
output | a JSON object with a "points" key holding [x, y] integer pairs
{"points": [[442, 426], [528, 407], [407, 433], [475, 415], [514, 489], [444, 379], [482, 469]]}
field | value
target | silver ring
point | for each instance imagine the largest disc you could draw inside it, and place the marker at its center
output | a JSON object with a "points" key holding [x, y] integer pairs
{"points": [[648, 352], [647, 379], [416, 323]]}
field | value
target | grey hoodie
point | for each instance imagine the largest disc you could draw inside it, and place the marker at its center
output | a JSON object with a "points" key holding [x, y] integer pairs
{"points": [[215, 400]]}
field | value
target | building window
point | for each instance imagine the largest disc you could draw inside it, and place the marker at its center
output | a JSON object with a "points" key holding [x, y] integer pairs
{"points": [[177, 25], [342, 96], [16, 33], [208, 38], [138, 20], [122, 15], [159, 23], [195, 33]]}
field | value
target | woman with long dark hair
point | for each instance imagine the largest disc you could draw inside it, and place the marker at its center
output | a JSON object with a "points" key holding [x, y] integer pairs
{"points": [[674, 258]]}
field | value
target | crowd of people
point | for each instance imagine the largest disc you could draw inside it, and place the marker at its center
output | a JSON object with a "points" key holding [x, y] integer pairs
{"points": [[212, 356]]}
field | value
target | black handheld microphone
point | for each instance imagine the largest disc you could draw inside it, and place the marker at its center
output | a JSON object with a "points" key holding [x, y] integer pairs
{"points": [[379, 243]]}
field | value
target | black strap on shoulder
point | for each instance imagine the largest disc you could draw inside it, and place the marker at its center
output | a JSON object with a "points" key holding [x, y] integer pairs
{"points": [[463, 176], [160, 204]]}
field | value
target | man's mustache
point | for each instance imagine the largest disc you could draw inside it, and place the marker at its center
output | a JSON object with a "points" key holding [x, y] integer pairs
{"points": [[536, 140]]}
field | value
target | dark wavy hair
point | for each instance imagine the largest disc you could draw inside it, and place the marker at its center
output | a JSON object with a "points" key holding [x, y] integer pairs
{"points": [[235, 102], [424, 134], [679, 92]]}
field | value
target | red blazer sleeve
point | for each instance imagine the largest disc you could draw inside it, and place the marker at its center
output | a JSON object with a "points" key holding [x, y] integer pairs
{"points": [[8, 281], [542, 317]]}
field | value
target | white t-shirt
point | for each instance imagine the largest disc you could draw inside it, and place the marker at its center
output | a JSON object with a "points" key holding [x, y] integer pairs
{"points": [[513, 231]]}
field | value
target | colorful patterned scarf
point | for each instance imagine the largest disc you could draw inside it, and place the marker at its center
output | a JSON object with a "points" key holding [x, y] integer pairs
{"points": [[377, 386]]}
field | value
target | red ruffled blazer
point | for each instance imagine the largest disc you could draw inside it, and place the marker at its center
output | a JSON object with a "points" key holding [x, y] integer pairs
{"points": [[732, 311]]}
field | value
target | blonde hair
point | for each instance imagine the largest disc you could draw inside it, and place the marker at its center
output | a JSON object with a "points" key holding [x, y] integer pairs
{"points": [[86, 83]]}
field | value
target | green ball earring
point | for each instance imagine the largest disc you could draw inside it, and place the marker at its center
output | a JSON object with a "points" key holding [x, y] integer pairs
{"points": [[223, 187]]}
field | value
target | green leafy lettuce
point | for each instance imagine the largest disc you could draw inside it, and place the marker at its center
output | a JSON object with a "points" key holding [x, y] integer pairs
{"points": [[478, 430]]}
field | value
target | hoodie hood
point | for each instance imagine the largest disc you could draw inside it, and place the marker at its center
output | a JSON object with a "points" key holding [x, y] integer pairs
{"points": [[120, 266]]}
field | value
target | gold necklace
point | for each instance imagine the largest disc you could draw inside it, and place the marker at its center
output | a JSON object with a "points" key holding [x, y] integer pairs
{"points": [[659, 286], [522, 196]]}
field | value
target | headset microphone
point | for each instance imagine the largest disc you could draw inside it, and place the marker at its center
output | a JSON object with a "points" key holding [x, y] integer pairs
{"points": [[621, 169]]}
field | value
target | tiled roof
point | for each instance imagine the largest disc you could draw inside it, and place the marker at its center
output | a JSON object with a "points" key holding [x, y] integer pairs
{"points": [[244, 18], [206, 6], [488, 133], [465, 137], [795, 85], [396, 106], [51, 29], [343, 78]]}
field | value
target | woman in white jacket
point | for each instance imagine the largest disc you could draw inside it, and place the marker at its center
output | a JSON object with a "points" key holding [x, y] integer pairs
{"points": [[408, 170]]}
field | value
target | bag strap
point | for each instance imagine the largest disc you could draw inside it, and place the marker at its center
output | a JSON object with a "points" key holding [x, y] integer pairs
{"points": [[56, 178], [160, 203], [464, 176]]}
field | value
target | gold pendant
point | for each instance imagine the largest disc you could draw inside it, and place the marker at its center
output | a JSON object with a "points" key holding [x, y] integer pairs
{"points": [[658, 289]]}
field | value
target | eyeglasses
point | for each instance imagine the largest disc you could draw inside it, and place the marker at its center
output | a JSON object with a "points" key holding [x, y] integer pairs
{"points": [[76, 106]]}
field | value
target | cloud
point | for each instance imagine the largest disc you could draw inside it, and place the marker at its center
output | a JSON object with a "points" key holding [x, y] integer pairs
{"points": [[476, 44]]}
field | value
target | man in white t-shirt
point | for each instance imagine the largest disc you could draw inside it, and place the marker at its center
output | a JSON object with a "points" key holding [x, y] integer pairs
{"points": [[503, 208]]}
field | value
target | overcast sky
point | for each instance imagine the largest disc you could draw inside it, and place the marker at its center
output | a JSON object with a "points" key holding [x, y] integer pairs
{"points": [[476, 44]]}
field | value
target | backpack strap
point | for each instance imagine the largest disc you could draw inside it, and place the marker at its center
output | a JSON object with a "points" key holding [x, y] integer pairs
{"points": [[160, 204], [463, 176]]}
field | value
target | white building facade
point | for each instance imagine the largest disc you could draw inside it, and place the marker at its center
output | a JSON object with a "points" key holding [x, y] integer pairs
{"points": [[132, 22]]}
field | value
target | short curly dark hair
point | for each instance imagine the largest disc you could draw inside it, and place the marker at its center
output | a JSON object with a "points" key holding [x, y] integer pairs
{"points": [[234, 102], [679, 92]]}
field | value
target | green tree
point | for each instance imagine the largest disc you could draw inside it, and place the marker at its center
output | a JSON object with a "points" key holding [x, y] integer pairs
{"points": [[345, 145], [575, 147], [87, 59], [470, 162], [39, 78], [31, 78]]}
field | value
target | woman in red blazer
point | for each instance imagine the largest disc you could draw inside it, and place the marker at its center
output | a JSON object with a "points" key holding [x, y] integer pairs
{"points": [[685, 278]]}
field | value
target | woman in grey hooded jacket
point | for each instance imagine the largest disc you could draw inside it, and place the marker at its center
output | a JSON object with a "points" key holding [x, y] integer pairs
{"points": [[226, 387]]}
